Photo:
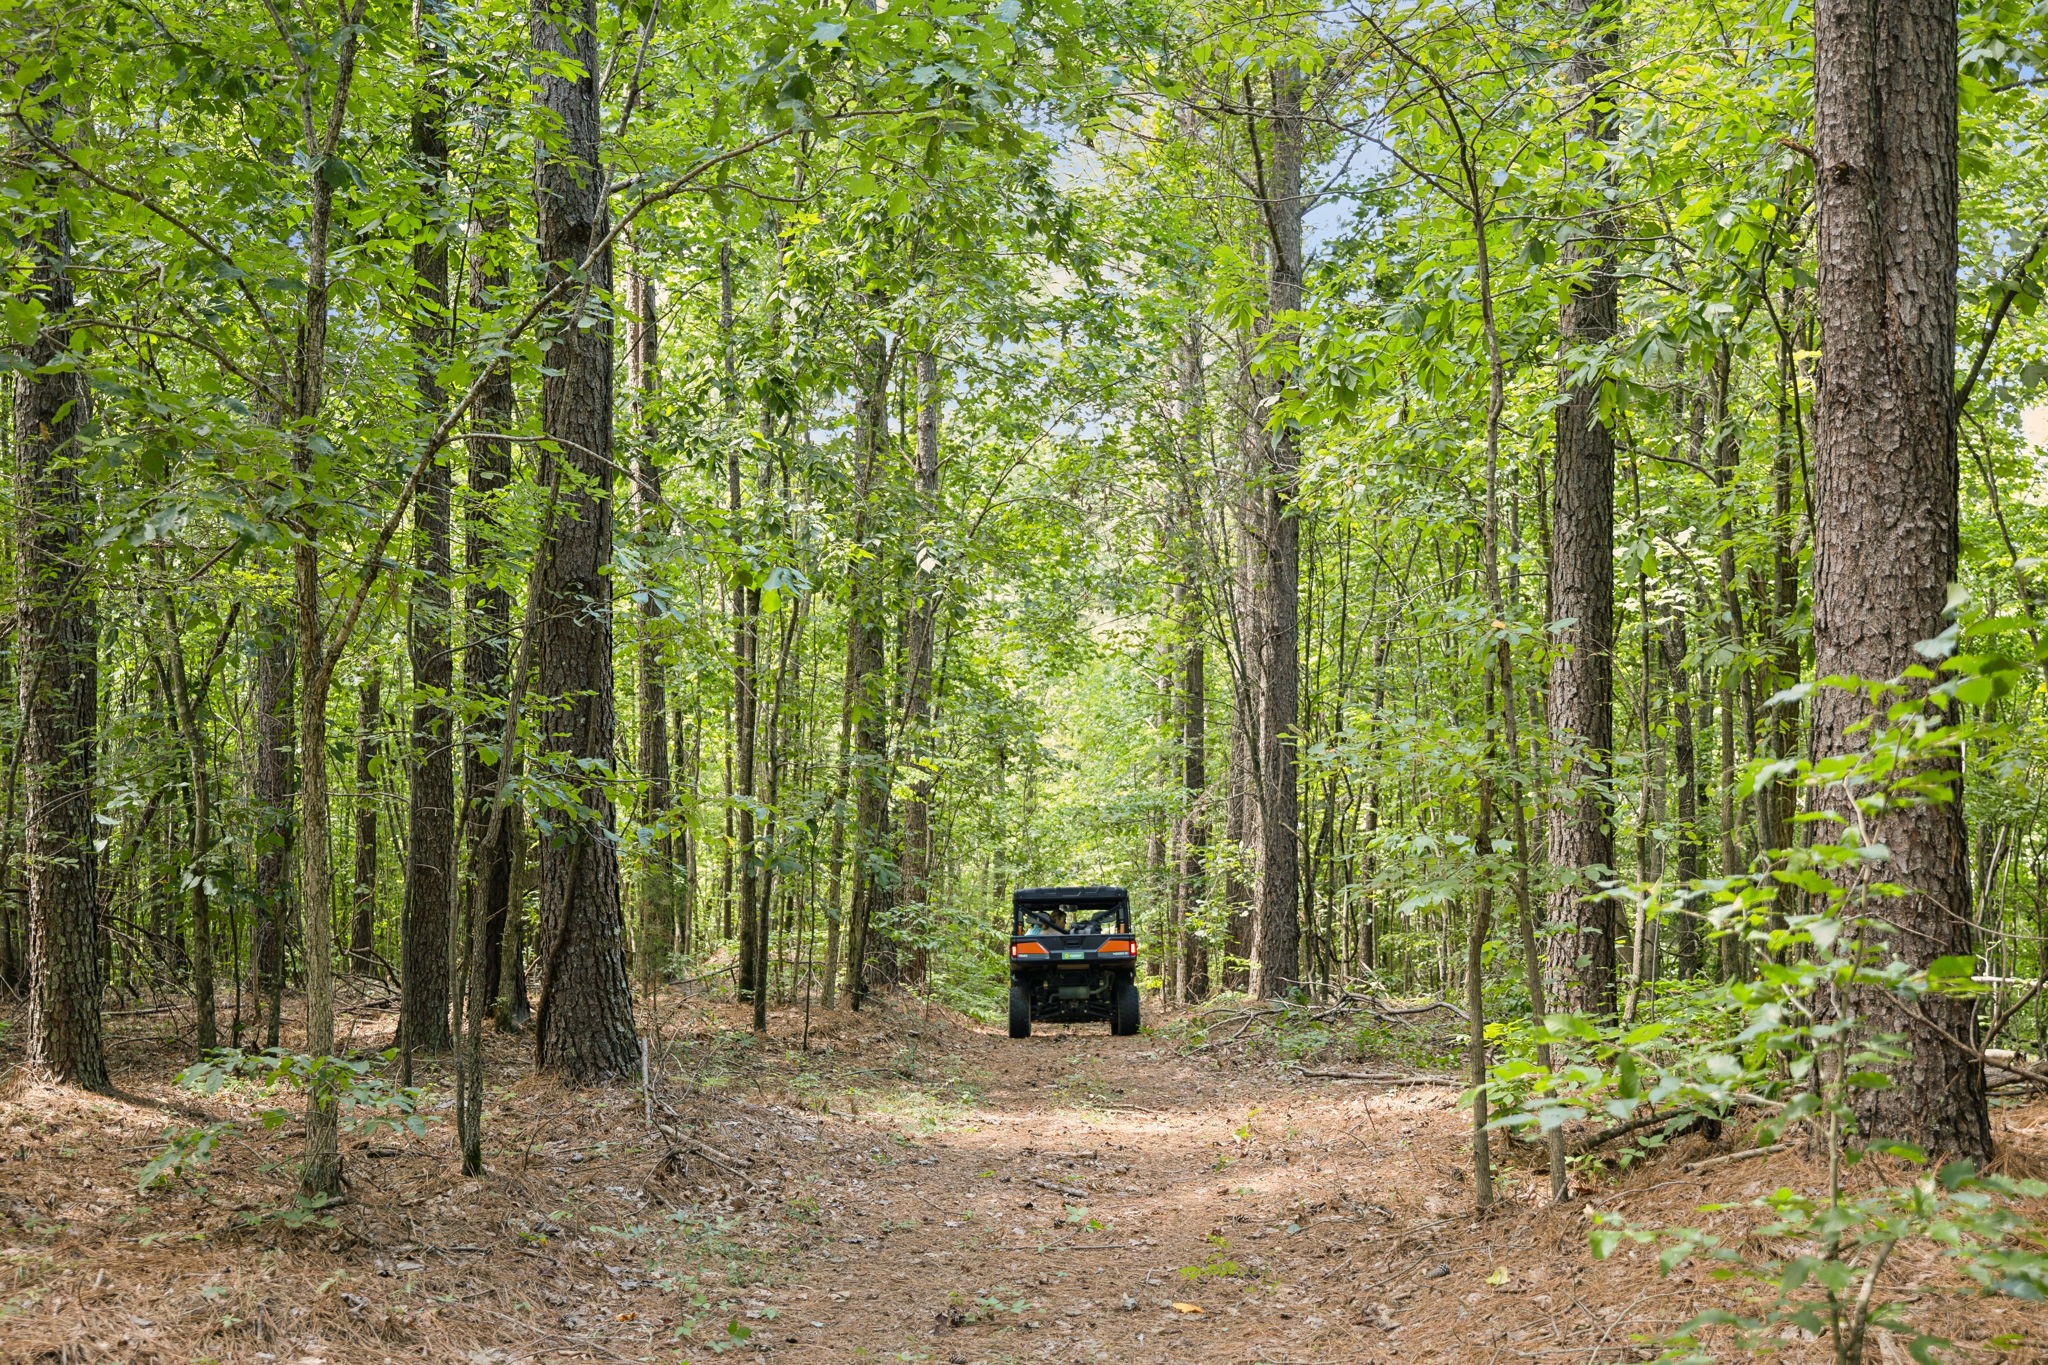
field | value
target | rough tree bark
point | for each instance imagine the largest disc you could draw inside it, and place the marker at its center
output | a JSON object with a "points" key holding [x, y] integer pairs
{"points": [[867, 959], [584, 1029], [430, 812], [362, 924], [1885, 492], [1241, 808], [57, 639], [1276, 926], [654, 883], [746, 701], [487, 609], [1581, 698]]}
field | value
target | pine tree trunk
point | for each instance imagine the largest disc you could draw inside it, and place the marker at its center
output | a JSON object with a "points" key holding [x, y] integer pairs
{"points": [[746, 703], [1276, 902], [1581, 699], [430, 875], [362, 929], [655, 882], [867, 959], [57, 642], [487, 609], [1885, 493], [584, 1029]]}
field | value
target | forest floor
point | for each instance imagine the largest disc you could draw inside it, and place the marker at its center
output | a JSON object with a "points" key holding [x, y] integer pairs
{"points": [[913, 1187]]}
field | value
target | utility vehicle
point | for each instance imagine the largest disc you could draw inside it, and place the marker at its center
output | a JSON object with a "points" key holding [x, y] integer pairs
{"points": [[1073, 958]]}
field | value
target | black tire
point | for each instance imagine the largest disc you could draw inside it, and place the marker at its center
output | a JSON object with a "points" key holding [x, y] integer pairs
{"points": [[1020, 1011], [1125, 1023]]}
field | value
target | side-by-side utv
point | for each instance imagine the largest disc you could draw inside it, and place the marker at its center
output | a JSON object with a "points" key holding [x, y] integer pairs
{"points": [[1073, 958]]}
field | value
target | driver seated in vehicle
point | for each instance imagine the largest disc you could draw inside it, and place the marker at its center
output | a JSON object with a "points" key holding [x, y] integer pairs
{"points": [[1043, 924]]}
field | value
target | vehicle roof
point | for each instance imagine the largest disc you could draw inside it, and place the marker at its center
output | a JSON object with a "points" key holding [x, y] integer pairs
{"points": [[1069, 895]]}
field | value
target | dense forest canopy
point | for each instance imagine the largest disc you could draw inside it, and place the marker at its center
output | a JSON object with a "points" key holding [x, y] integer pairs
{"points": [[540, 504]]}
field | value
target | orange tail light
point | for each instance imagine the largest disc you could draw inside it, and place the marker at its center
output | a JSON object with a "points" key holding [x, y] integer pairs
{"points": [[1118, 945], [1027, 949]]}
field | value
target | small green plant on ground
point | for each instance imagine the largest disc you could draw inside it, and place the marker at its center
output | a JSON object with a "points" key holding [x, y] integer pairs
{"points": [[368, 1104], [1218, 1266], [1796, 1052]]}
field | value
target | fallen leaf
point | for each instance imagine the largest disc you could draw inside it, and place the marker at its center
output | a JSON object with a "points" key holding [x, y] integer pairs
{"points": [[1498, 1277], [1187, 1308]]}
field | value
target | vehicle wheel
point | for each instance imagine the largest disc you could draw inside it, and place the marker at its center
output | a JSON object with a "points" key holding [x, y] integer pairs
{"points": [[1020, 1011], [1125, 1024]]}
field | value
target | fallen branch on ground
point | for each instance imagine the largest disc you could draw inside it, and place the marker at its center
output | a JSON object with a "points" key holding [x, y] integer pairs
{"points": [[1749, 1155], [1693, 1122], [1383, 1078]]}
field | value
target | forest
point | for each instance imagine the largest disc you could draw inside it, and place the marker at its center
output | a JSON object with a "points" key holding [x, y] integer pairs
{"points": [[565, 560]]}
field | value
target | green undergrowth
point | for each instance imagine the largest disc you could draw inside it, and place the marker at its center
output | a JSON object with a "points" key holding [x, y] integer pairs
{"points": [[1318, 1034]]}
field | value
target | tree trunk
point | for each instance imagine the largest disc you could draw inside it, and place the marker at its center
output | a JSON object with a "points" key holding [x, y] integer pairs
{"points": [[275, 666], [1885, 494], [1785, 628], [487, 609], [687, 767], [362, 931], [746, 717], [584, 1029], [430, 813], [1191, 977], [1685, 759], [1475, 973], [1582, 583], [1276, 901], [57, 641], [1727, 454], [199, 844], [320, 1172], [865, 704], [13, 907], [1240, 811], [656, 873], [1191, 973], [828, 995], [916, 865]]}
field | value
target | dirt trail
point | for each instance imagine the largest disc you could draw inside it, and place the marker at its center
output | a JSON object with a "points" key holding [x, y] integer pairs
{"points": [[1108, 1200], [909, 1188]]}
